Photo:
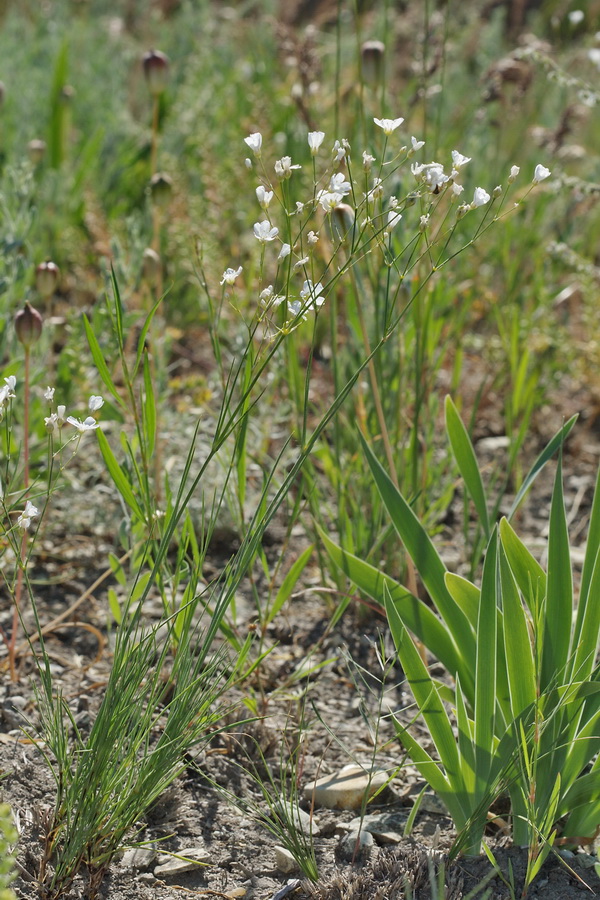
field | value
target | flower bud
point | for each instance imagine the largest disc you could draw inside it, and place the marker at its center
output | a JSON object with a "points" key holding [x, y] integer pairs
{"points": [[156, 70], [36, 150], [46, 278], [28, 325], [342, 220], [151, 265], [161, 187], [372, 57]]}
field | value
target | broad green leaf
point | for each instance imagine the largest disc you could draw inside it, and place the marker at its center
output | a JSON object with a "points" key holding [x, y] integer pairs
{"points": [[140, 586], [141, 347], [587, 627], [100, 363], [485, 676], [528, 573], [465, 740], [425, 557], [520, 663], [149, 409], [117, 569], [430, 706], [114, 605], [417, 617], [462, 448], [289, 582], [546, 454], [466, 595], [118, 476], [559, 590]]}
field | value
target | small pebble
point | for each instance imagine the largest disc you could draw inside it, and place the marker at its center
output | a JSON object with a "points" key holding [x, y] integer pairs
{"points": [[285, 861]]}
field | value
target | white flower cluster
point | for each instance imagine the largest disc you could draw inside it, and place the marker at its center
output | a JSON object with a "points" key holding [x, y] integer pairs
{"points": [[335, 195], [7, 393], [59, 418]]}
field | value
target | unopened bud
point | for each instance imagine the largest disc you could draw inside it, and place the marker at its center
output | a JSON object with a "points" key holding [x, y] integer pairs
{"points": [[372, 58], [28, 325], [150, 265], [156, 70], [46, 278], [36, 150], [342, 221], [497, 191], [161, 188]]}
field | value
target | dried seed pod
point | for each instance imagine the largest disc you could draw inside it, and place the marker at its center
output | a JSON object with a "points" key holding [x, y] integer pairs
{"points": [[156, 70], [28, 325], [161, 187], [36, 150], [372, 58], [47, 275], [151, 265]]}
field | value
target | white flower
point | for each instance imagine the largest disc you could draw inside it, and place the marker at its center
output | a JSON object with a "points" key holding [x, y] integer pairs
{"points": [[95, 403], [30, 511], [480, 198], [432, 174], [541, 172], [269, 298], [377, 190], [312, 237], [514, 171], [88, 424], [49, 394], [368, 161], [457, 189], [576, 16], [60, 415], [50, 422], [393, 219], [497, 191], [339, 150], [229, 275], [263, 196], [7, 391], [248, 162], [285, 251], [284, 167], [313, 294], [339, 185], [423, 223], [388, 125], [458, 160], [263, 231], [299, 207], [254, 141], [315, 139], [295, 307], [301, 262], [329, 200], [594, 56], [415, 145]]}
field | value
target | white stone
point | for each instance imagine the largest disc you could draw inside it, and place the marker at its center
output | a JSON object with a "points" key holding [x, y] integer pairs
{"points": [[348, 789], [185, 861], [356, 845], [285, 862]]}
